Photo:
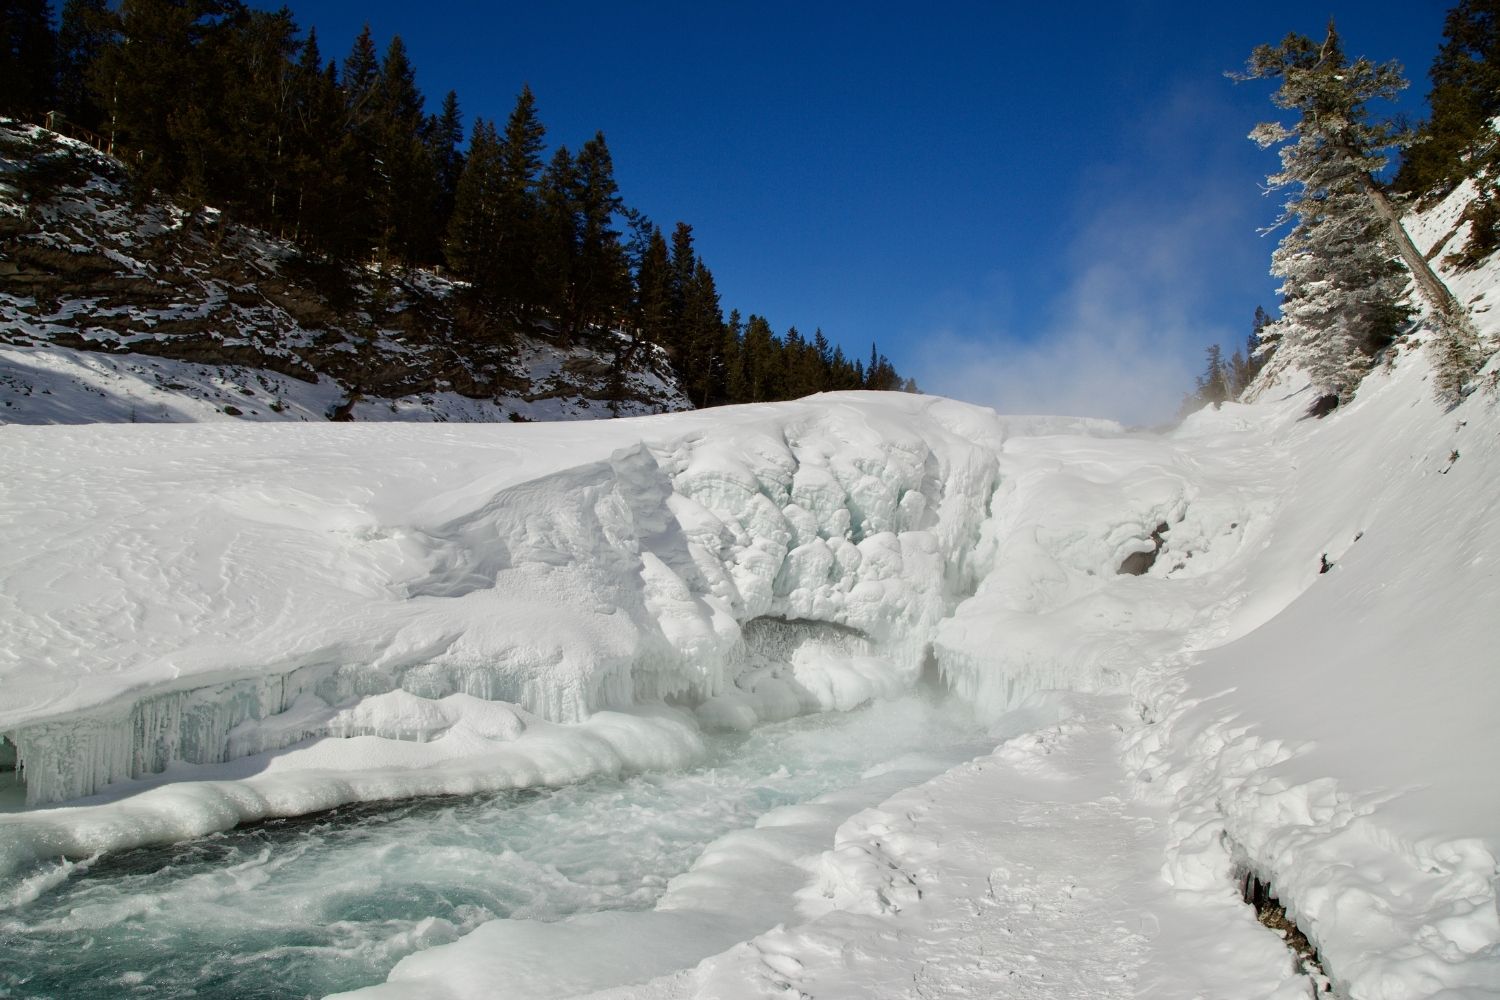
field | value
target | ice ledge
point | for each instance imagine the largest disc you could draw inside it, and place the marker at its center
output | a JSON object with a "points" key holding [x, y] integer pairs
{"points": [[600, 586]]}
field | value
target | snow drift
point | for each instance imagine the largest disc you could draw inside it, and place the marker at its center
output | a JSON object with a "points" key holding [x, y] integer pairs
{"points": [[195, 595]]}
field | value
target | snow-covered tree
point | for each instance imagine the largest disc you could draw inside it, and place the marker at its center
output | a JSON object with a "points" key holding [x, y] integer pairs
{"points": [[1343, 283]]}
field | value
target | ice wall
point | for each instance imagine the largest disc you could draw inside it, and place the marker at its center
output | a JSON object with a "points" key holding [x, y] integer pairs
{"points": [[240, 593]]}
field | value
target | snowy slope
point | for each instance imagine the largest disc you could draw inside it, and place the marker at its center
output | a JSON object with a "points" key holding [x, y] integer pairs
{"points": [[203, 625], [116, 312]]}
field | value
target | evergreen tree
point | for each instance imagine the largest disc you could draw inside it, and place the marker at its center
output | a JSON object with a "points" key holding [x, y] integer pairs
{"points": [[762, 362], [652, 294], [355, 172], [684, 262], [1342, 283], [163, 83], [880, 374], [254, 166], [522, 249], [1245, 365], [405, 194], [1213, 384], [360, 74], [557, 240], [1465, 95], [315, 184], [703, 325], [600, 277], [445, 136], [736, 362], [83, 33], [28, 68], [474, 227]]}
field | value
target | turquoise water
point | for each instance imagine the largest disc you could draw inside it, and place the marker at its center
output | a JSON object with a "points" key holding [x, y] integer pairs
{"points": [[309, 906]]}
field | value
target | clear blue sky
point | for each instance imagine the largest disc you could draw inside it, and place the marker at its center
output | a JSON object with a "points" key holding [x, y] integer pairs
{"points": [[1040, 207]]}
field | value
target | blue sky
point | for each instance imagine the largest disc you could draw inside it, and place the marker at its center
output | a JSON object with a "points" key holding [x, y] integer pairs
{"points": [[1040, 207]]}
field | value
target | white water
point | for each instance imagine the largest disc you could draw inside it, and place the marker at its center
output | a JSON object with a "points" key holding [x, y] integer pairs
{"points": [[306, 907]]}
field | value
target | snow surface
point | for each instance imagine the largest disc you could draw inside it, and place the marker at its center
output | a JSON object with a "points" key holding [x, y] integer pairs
{"points": [[192, 594], [202, 625]]}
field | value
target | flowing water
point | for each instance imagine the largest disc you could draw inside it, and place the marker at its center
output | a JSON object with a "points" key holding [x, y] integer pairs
{"points": [[308, 906]]}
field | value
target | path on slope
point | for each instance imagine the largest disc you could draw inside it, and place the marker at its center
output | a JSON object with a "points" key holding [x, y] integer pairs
{"points": [[1031, 872]]}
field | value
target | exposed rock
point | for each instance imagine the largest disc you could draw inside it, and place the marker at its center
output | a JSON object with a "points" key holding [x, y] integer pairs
{"points": [[1138, 563], [84, 268]]}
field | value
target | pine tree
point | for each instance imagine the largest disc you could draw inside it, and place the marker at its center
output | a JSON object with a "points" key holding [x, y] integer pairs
{"points": [[683, 264], [473, 227], [600, 276], [163, 81], [445, 136], [652, 294], [84, 31], [762, 367], [254, 167], [1342, 283], [316, 138], [557, 241], [355, 172], [1213, 384], [520, 252], [1260, 345], [1465, 95], [404, 196], [703, 325], [736, 362], [360, 73]]}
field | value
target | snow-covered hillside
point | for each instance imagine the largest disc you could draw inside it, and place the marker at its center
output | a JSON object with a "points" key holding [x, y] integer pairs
{"points": [[201, 626], [117, 312]]}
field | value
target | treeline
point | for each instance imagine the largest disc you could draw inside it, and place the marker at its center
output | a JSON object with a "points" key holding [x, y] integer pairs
{"points": [[1226, 379], [213, 103], [1341, 260]]}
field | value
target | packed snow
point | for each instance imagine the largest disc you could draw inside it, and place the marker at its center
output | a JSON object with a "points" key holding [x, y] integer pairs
{"points": [[205, 625]]}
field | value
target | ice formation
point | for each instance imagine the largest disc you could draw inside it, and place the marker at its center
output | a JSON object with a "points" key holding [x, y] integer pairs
{"points": [[210, 596]]}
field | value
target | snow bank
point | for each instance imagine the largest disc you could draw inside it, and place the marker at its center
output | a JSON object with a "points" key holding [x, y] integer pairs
{"points": [[190, 596], [1343, 748]]}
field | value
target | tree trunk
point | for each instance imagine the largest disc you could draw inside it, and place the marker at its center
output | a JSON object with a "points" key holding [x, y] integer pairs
{"points": [[1449, 309]]}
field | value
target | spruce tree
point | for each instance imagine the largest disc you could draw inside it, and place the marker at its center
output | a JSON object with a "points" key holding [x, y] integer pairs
{"points": [[524, 227], [684, 262], [652, 294], [762, 371], [405, 193], [85, 30], [445, 136], [355, 170], [1342, 282], [163, 81], [473, 227], [254, 172], [703, 324], [1465, 95], [558, 241], [600, 276], [736, 361], [1213, 384], [316, 187]]}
